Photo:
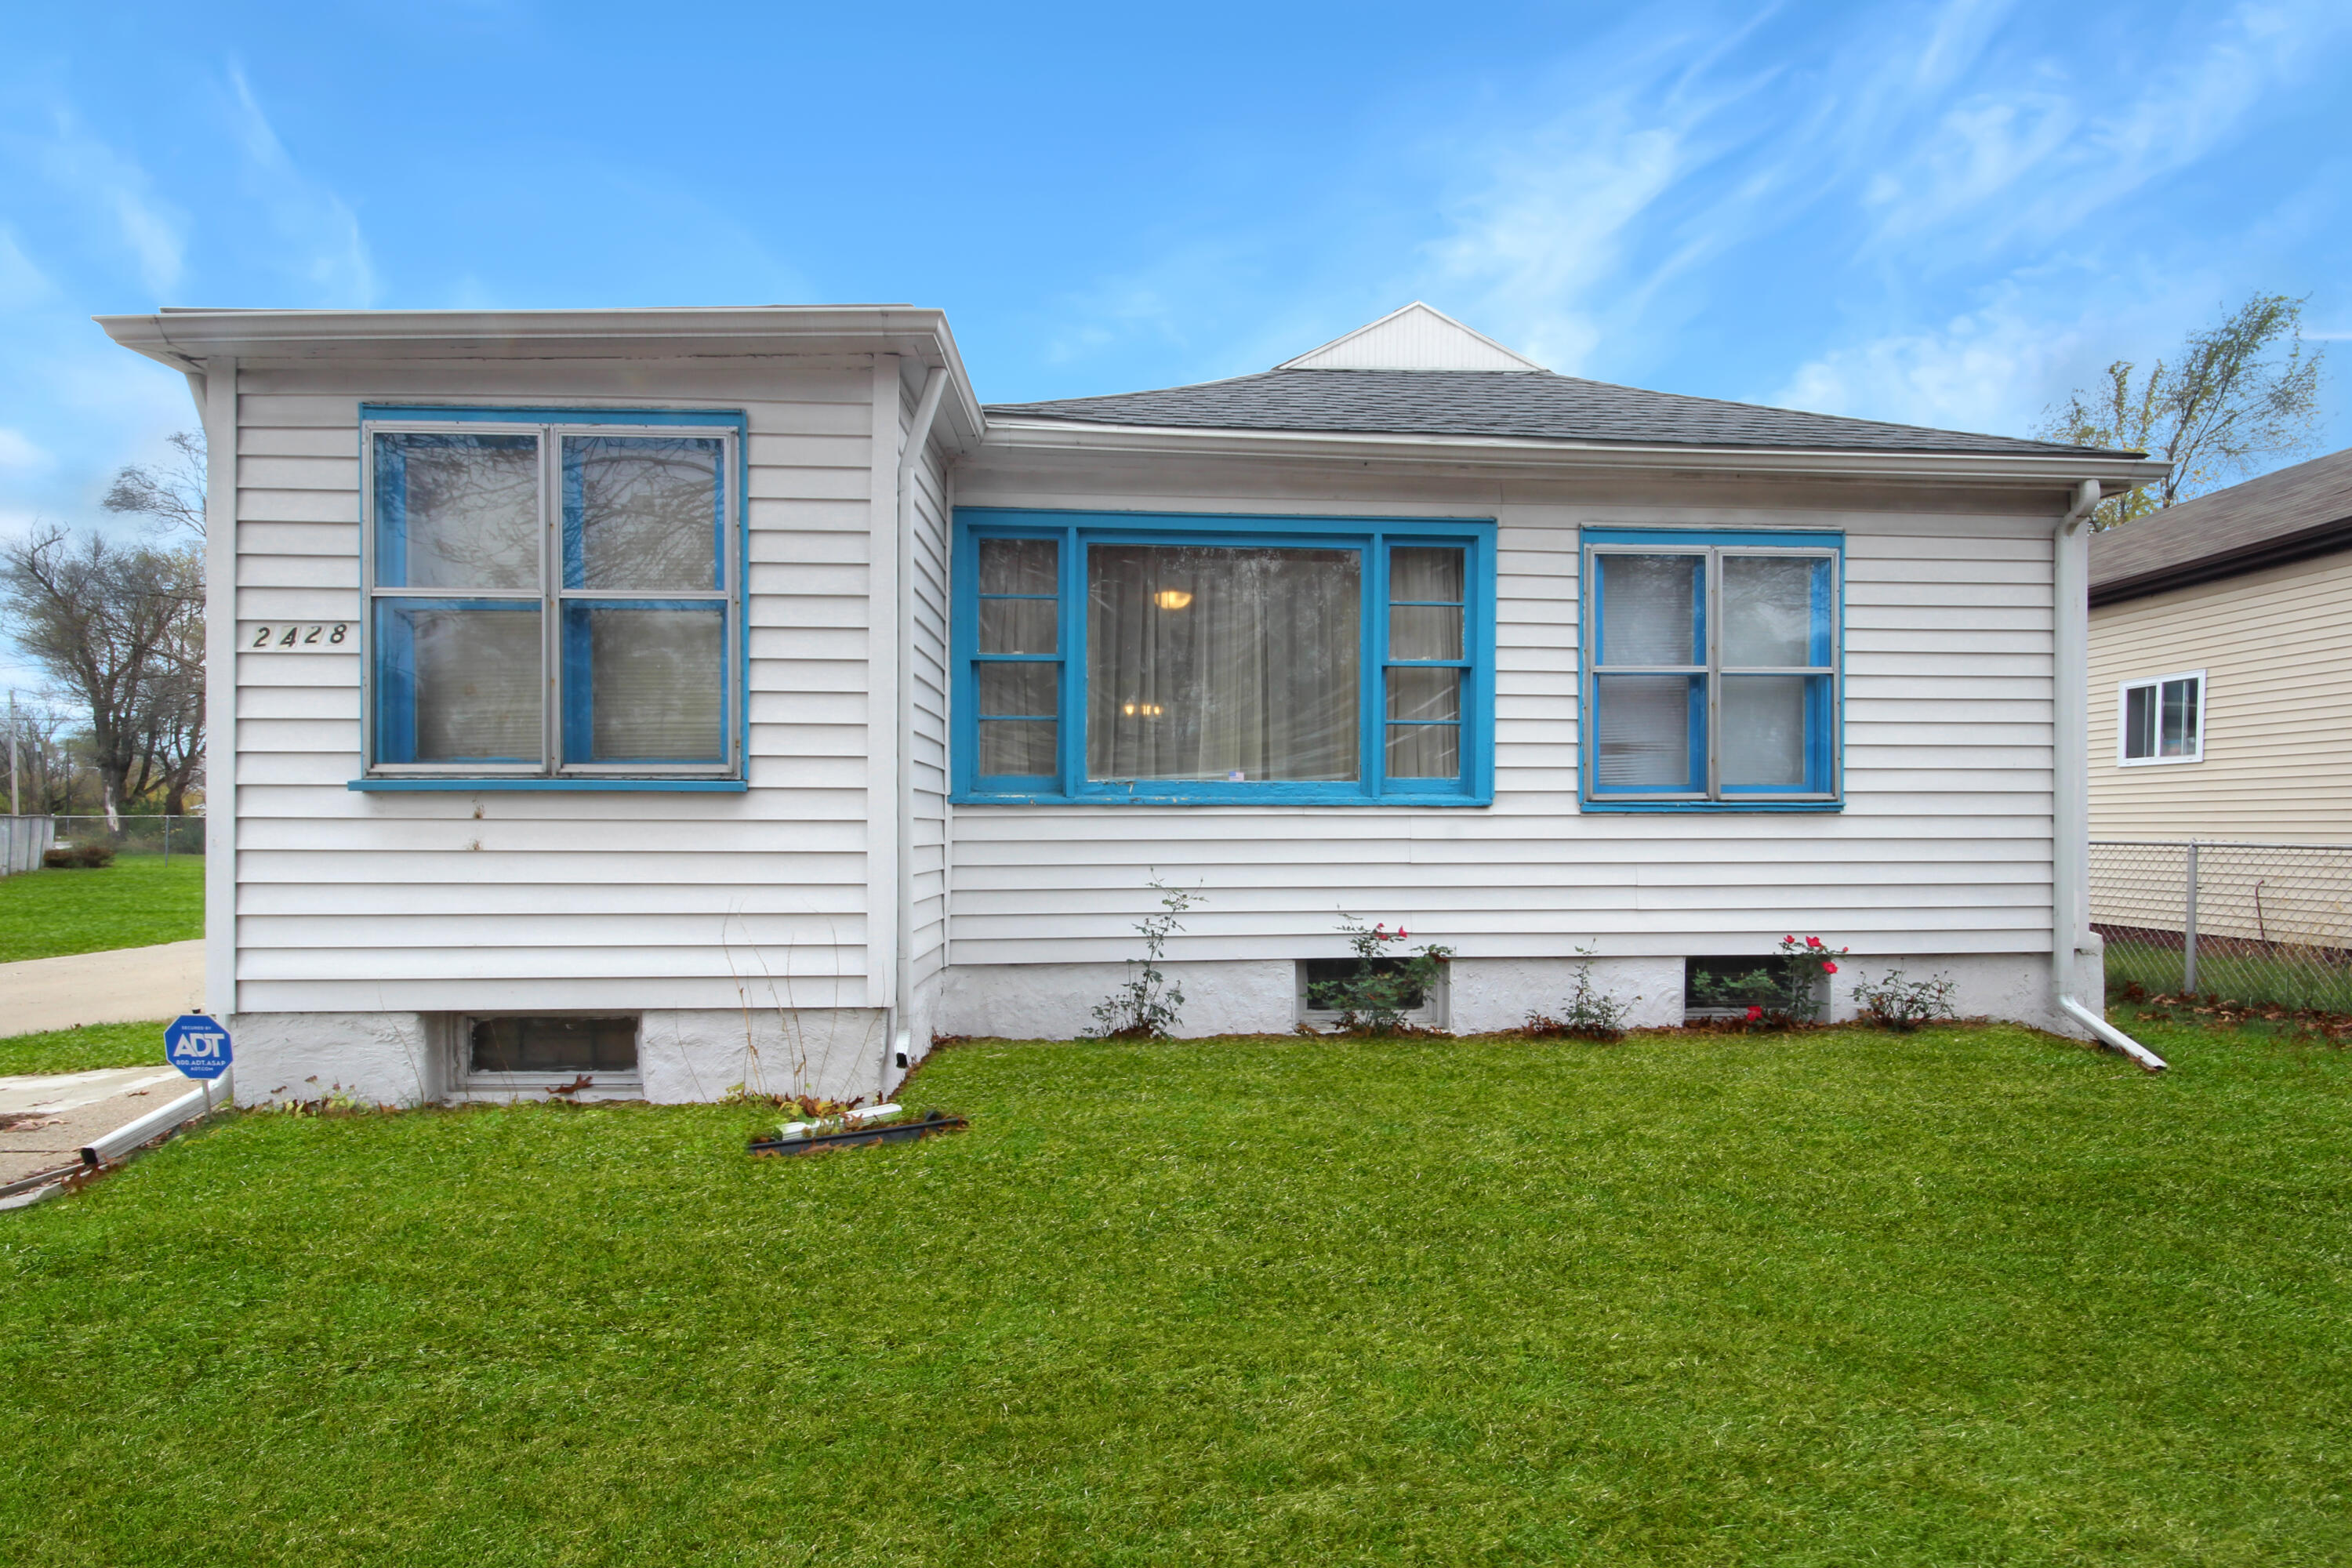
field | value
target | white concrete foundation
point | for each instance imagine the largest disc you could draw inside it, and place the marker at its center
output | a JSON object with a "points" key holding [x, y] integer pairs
{"points": [[1488, 995], [374, 1059], [847, 1054], [1056, 1001]]}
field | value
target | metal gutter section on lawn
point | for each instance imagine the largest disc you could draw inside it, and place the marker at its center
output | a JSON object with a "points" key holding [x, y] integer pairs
{"points": [[196, 1103]]}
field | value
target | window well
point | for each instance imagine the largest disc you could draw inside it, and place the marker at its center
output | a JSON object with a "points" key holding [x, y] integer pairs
{"points": [[561, 1045]]}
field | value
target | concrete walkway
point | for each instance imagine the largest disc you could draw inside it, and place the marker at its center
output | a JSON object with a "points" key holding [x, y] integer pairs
{"points": [[123, 986], [46, 1120]]}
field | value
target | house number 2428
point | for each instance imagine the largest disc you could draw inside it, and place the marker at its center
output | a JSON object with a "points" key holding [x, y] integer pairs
{"points": [[317, 634]]}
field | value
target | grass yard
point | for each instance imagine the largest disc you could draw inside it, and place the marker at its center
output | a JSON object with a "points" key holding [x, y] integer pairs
{"points": [[80, 1049], [137, 902], [2302, 979], [1969, 1296]]}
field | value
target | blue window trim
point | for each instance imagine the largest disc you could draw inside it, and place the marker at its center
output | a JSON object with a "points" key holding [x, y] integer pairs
{"points": [[735, 511], [1074, 531], [1830, 735], [477, 786]]}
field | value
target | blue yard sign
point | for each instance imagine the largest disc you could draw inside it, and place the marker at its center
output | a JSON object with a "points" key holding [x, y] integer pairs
{"points": [[197, 1045]]}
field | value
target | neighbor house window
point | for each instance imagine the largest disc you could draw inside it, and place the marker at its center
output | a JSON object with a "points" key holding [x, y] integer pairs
{"points": [[2163, 721], [1711, 669], [553, 594], [1223, 659]]}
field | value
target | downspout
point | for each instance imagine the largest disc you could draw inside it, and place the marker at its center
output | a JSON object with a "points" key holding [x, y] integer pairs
{"points": [[2069, 772], [910, 456]]}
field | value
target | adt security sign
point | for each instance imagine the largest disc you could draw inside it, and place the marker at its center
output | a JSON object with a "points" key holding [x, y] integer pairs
{"points": [[197, 1045]]}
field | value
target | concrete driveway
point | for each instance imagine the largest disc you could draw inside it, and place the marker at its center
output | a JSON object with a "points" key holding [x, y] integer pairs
{"points": [[121, 986]]}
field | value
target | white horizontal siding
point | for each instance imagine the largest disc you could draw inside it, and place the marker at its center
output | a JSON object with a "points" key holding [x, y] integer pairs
{"points": [[1943, 846], [350, 901]]}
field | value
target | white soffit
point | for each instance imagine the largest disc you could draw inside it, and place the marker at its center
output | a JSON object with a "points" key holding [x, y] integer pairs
{"points": [[1416, 338]]}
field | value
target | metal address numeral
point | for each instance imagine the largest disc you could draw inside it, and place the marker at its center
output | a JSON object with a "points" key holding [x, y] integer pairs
{"points": [[322, 633]]}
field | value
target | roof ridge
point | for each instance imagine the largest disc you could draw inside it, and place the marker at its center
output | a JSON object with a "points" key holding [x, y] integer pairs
{"points": [[1543, 405]]}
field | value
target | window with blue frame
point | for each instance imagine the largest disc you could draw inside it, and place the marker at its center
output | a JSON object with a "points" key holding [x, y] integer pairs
{"points": [[1712, 667], [552, 593], [1223, 659]]}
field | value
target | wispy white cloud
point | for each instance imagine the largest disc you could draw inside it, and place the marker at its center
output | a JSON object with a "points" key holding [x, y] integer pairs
{"points": [[19, 452], [2070, 142], [87, 171], [325, 246], [1992, 370], [22, 284], [1534, 246]]}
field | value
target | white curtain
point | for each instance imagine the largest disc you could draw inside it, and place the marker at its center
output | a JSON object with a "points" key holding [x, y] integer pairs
{"points": [[1227, 664], [1648, 616], [478, 683], [655, 679], [643, 512], [467, 508]]}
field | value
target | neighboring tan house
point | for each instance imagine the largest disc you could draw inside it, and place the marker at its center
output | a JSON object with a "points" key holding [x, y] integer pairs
{"points": [[682, 698], [2221, 664]]}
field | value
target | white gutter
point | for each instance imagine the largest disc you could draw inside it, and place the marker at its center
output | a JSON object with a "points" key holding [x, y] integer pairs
{"points": [[197, 1101], [2070, 780], [910, 457]]}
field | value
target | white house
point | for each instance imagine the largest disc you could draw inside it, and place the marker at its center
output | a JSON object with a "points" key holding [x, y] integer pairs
{"points": [[677, 699]]}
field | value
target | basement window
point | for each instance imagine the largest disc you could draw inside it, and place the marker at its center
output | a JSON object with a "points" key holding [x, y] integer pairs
{"points": [[1319, 978], [531, 1052]]}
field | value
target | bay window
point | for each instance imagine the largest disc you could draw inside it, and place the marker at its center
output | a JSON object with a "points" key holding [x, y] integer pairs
{"points": [[1222, 659], [1712, 668], [552, 595]]}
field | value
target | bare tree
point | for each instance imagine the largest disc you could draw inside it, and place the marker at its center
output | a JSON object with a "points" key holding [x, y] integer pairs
{"points": [[43, 779], [118, 629], [170, 495], [2236, 393]]}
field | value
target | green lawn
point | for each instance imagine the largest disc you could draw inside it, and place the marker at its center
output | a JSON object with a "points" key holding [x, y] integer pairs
{"points": [[1969, 1296], [80, 1049], [2282, 981], [139, 901]]}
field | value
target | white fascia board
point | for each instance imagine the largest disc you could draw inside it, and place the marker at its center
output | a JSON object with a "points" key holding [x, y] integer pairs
{"points": [[2115, 474], [187, 339]]}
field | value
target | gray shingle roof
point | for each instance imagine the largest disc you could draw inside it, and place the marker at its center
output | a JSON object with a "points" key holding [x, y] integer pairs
{"points": [[1482, 403], [2293, 513]]}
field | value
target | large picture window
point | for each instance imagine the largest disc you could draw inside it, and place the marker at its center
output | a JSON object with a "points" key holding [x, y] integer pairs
{"points": [[1712, 668], [551, 594], [1223, 659]]}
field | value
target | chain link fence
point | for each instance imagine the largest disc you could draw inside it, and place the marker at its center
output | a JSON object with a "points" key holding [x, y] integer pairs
{"points": [[2258, 924], [164, 836]]}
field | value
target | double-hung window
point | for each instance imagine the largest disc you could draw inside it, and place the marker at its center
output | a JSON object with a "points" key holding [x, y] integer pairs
{"points": [[552, 595], [1712, 667], [2162, 720], [1223, 659]]}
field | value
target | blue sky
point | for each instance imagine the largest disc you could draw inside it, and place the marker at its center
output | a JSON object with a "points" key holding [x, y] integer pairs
{"points": [[1943, 215]]}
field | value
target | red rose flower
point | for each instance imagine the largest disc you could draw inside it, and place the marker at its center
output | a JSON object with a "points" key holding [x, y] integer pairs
{"points": [[1812, 941], [1402, 933], [1829, 969], [1754, 1013]]}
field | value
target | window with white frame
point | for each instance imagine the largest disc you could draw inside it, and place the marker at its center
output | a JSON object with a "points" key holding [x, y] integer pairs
{"points": [[1712, 670], [1185, 659], [552, 593], [2162, 720]]}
